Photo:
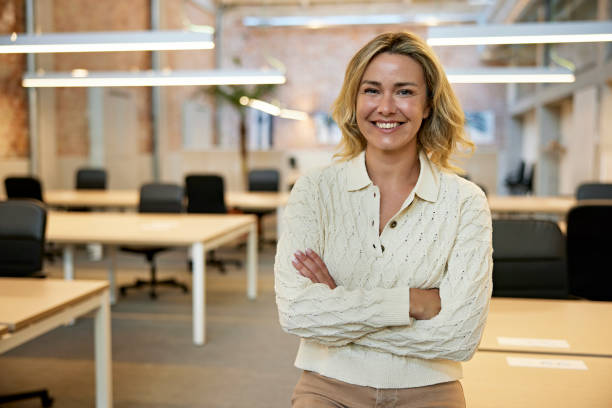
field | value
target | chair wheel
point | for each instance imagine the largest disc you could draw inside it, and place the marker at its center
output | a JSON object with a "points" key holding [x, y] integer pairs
{"points": [[122, 291], [153, 295], [185, 290]]}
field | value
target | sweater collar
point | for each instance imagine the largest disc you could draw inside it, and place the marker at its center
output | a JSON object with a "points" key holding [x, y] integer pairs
{"points": [[427, 185]]}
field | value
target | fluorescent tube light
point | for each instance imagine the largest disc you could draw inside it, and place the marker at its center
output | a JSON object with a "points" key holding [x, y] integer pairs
{"points": [[522, 33], [362, 19], [509, 75], [107, 41], [273, 109], [82, 78]]}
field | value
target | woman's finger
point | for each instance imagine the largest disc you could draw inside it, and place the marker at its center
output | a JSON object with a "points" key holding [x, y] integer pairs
{"points": [[303, 270]]}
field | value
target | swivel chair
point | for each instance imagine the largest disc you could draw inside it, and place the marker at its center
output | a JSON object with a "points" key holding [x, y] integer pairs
{"points": [[22, 242], [529, 259], [23, 187], [90, 179], [156, 198], [594, 191], [206, 195], [588, 251], [263, 180]]}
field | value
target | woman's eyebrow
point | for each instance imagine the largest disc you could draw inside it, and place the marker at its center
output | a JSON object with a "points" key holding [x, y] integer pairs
{"points": [[396, 85]]}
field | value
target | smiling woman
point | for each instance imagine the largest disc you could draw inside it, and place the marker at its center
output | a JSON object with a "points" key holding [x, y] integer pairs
{"points": [[384, 265]]}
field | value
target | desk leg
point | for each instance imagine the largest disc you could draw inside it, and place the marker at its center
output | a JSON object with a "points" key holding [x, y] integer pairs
{"points": [[102, 344], [111, 269], [199, 293], [68, 262], [252, 262]]}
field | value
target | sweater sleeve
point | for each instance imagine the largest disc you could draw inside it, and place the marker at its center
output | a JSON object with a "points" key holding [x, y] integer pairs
{"points": [[313, 310], [465, 291]]}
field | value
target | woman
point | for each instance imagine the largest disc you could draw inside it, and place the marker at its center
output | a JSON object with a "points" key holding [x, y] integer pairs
{"points": [[384, 265]]}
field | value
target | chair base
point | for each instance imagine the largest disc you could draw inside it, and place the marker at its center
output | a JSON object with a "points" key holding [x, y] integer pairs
{"points": [[45, 399], [153, 285]]}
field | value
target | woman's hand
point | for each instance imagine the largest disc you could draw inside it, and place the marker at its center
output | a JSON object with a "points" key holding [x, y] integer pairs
{"points": [[311, 266], [424, 303]]}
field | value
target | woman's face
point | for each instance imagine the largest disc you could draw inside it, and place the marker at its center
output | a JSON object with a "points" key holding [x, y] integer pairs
{"points": [[392, 103]]}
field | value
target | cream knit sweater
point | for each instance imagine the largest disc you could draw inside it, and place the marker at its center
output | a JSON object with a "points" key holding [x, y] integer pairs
{"points": [[361, 332]]}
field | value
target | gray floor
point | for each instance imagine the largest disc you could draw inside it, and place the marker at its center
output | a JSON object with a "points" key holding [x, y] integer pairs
{"points": [[246, 362]]}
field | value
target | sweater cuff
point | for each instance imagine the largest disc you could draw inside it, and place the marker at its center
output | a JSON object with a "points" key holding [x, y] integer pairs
{"points": [[395, 307]]}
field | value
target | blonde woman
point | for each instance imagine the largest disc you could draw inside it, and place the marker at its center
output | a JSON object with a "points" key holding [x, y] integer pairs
{"points": [[384, 265]]}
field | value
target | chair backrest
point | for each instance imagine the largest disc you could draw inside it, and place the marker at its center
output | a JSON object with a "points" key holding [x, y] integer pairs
{"points": [[22, 237], [589, 248], [264, 180], [161, 198], [589, 191], [90, 179], [529, 259], [23, 187], [205, 193]]}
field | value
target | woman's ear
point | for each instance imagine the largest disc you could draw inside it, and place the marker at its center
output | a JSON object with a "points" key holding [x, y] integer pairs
{"points": [[426, 112]]}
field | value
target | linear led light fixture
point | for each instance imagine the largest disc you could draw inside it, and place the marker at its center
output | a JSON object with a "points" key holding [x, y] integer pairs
{"points": [[522, 33], [273, 109], [107, 41], [509, 75], [83, 78], [370, 19]]}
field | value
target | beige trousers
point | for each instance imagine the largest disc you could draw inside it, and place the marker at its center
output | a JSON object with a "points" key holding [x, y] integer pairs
{"points": [[316, 391]]}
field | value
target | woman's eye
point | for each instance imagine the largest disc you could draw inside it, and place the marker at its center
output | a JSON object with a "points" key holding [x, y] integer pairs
{"points": [[406, 92], [370, 91]]}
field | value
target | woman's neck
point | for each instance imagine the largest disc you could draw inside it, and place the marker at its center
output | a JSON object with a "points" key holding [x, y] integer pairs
{"points": [[393, 170]]}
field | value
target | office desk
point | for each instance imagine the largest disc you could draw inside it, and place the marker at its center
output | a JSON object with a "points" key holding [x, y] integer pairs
{"points": [[567, 327], [531, 204], [200, 232], [32, 307], [490, 381], [128, 199]]}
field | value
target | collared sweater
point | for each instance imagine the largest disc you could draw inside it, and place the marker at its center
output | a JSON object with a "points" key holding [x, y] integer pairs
{"points": [[361, 332]]}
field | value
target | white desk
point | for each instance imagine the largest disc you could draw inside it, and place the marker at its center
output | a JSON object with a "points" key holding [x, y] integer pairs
{"points": [[200, 232], [490, 381], [31, 307], [578, 327]]}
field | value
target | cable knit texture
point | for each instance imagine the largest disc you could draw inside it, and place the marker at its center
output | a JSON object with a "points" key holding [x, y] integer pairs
{"points": [[361, 332]]}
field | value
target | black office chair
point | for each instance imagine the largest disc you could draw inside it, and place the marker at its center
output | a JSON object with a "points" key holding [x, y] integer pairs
{"points": [[156, 198], [588, 251], [22, 241], [23, 187], [206, 195], [263, 180], [90, 179], [529, 259], [594, 191]]}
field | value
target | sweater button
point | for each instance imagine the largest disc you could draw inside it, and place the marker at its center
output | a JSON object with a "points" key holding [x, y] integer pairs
{"points": [[393, 224], [383, 248]]}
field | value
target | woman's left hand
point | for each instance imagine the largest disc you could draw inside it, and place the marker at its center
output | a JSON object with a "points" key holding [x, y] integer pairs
{"points": [[311, 266]]}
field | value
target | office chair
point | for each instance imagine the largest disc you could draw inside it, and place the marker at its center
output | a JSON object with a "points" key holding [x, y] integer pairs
{"points": [[588, 251], [156, 198], [90, 179], [23, 187], [529, 259], [206, 195], [22, 242], [263, 180], [595, 191]]}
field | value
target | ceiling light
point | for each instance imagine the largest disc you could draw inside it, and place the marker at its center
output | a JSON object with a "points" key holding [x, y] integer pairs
{"points": [[273, 109], [364, 19], [107, 41], [522, 33], [151, 78], [509, 75]]}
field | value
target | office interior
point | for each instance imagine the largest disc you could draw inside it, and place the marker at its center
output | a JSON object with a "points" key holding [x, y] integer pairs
{"points": [[534, 140]]}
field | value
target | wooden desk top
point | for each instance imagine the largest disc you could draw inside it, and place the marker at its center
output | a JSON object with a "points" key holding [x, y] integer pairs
{"points": [[575, 327], [26, 300], [490, 381], [530, 204], [246, 200], [141, 229]]}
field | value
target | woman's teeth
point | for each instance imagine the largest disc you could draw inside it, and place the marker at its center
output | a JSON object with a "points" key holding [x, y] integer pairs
{"points": [[387, 125]]}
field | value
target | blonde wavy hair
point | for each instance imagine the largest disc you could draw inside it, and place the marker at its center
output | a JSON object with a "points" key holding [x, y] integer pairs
{"points": [[441, 134]]}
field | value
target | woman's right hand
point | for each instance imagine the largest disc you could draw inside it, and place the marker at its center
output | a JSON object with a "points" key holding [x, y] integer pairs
{"points": [[424, 303]]}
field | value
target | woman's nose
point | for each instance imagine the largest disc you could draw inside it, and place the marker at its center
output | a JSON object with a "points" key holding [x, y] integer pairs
{"points": [[387, 105]]}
